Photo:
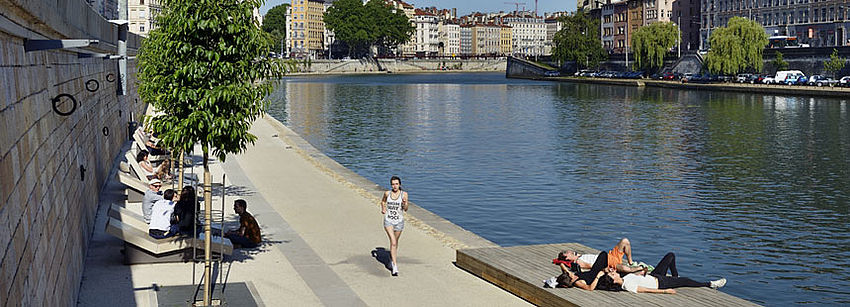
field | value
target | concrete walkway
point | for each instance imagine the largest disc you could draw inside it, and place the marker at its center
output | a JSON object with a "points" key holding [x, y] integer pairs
{"points": [[323, 240]]}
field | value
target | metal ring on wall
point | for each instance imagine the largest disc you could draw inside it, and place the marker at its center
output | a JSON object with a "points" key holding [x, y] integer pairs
{"points": [[110, 78], [105, 131], [57, 99], [92, 85]]}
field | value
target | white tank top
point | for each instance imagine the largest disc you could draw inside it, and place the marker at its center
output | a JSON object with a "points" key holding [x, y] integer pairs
{"points": [[394, 211]]}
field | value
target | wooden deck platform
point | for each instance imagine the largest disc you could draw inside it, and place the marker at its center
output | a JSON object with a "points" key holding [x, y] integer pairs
{"points": [[522, 269]]}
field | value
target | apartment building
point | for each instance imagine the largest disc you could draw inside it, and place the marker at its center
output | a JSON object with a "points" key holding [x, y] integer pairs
{"points": [[686, 14], [466, 39], [106, 8], [529, 33], [426, 36], [486, 39], [553, 25], [506, 43], [140, 15], [449, 38], [817, 23], [308, 28]]}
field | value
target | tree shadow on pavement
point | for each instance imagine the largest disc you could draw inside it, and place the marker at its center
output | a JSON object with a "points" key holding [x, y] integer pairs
{"points": [[244, 254]]}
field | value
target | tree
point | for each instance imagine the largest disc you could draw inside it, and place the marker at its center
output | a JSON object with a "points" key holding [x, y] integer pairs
{"points": [[579, 40], [835, 63], [779, 62], [651, 43], [736, 47], [203, 68], [274, 22], [363, 26]]}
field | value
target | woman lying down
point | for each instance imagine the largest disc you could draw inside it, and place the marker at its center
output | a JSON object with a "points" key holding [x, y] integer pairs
{"points": [[602, 278]]}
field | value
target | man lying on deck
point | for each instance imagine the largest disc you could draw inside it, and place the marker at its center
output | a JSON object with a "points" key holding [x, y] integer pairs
{"points": [[615, 258], [656, 281]]}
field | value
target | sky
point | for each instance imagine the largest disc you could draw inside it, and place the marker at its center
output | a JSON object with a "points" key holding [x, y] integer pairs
{"points": [[467, 6]]}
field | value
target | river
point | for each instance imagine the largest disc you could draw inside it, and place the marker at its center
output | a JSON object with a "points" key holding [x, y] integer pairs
{"points": [[754, 188]]}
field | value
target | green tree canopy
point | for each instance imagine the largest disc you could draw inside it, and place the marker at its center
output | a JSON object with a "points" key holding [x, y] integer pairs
{"points": [[779, 62], [203, 68], [274, 22], [362, 26], [651, 43], [736, 47], [579, 40], [835, 63]]}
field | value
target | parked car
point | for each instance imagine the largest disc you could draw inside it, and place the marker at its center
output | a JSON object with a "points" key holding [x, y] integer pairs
{"points": [[768, 80], [752, 79], [657, 76], [782, 76], [795, 79], [819, 80], [583, 73], [844, 81], [743, 78], [671, 76], [686, 77], [553, 73]]}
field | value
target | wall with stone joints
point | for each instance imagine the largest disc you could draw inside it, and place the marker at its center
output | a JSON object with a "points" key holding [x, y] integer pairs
{"points": [[47, 209]]}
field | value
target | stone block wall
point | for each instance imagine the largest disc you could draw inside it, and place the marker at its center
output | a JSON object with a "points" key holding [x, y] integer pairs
{"points": [[52, 167]]}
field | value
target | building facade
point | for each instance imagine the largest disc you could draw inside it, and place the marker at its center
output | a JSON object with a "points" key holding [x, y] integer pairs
{"points": [[486, 39], [506, 42], [426, 36], [635, 18], [817, 23], [449, 38], [686, 14], [552, 27], [308, 28], [621, 27], [140, 15], [466, 39], [607, 27], [529, 34]]}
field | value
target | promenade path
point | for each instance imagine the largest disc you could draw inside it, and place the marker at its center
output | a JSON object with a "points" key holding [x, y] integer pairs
{"points": [[320, 232]]}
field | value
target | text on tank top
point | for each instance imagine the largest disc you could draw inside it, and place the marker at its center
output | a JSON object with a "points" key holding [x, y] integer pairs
{"points": [[394, 215]]}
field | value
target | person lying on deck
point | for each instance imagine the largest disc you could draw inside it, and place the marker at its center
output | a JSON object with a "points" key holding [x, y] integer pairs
{"points": [[615, 258], [584, 280], [656, 281]]}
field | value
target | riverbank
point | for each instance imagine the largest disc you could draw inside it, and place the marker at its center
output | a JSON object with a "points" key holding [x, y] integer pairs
{"points": [[298, 74], [323, 66], [323, 243], [772, 89]]}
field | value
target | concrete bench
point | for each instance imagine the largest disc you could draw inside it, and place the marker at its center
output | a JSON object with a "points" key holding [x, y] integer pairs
{"points": [[142, 248]]}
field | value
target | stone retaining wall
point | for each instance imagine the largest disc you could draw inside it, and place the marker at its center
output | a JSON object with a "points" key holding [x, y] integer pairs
{"points": [[52, 167], [396, 65]]}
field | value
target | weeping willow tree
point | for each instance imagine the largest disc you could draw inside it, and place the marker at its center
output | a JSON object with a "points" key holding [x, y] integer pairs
{"points": [[203, 68], [651, 43], [736, 47]]}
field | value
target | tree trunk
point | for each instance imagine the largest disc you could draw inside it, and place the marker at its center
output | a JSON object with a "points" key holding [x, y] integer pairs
{"points": [[207, 230], [180, 172]]}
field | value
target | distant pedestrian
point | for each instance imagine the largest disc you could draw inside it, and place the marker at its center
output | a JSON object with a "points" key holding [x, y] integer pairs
{"points": [[393, 204]]}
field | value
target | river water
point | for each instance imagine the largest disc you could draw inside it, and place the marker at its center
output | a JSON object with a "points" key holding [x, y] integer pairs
{"points": [[754, 188]]}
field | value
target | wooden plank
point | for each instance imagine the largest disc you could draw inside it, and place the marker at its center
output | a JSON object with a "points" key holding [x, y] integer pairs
{"points": [[522, 269]]}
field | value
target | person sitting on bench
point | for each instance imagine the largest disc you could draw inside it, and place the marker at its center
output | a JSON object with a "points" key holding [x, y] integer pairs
{"points": [[161, 225], [152, 195], [248, 234]]}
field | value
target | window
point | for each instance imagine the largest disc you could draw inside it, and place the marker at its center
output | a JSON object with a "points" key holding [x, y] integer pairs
{"points": [[141, 28], [142, 2]]}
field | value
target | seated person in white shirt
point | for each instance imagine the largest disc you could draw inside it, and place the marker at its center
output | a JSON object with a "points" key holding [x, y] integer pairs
{"points": [[160, 226], [656, 281]]}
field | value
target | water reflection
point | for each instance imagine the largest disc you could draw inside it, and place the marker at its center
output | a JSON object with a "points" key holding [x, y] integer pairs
{"points": [[751, 187]]}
